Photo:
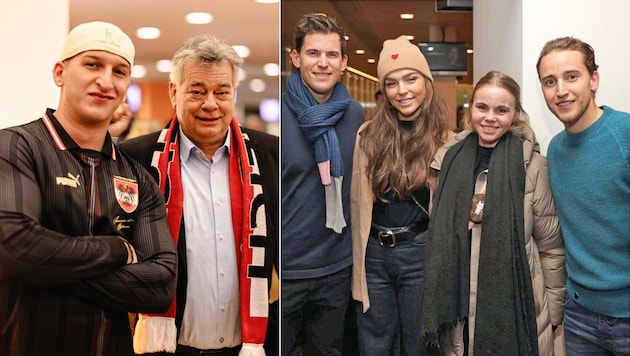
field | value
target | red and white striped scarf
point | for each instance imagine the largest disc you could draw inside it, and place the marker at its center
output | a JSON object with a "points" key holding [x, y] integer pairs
{"points": [[157, 332]]}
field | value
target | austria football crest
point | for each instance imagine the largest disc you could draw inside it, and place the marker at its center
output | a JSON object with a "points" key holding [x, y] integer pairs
{"points": [[126, 193]]}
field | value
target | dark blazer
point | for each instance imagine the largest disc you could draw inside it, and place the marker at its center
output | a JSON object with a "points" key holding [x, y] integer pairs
{"points": [[266, 148]]}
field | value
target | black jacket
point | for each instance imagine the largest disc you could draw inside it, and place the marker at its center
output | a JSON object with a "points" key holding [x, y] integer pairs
{"points": [[65, 285], [266, 148]]}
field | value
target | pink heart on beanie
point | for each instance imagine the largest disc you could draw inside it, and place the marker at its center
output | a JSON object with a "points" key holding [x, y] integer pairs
{"points": [[394, 56]]}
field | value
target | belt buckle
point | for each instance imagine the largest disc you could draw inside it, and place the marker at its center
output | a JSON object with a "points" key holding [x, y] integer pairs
{"points": [[387, 233]]}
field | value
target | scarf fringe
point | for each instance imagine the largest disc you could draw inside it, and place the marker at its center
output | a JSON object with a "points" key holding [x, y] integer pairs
{"points": [[431, 339], [334, 207], [154, 334], [252, 350]]}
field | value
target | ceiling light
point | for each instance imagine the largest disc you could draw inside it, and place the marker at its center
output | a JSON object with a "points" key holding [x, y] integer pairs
{"points": [[241, 74], [371, 60], [470, 51], [407, 16], [134, 97], [411, 37], [148, 33], [163, 65], [138, 71], [271, 69], [360, 51], [346, 37], [198, 18], [242, 51], [257, 85]]}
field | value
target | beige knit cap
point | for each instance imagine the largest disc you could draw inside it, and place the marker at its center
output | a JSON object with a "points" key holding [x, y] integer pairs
{"points": [[98, 36], [399, 54]]}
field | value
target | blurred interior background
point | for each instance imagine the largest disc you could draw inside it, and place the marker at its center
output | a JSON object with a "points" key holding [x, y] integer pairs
{"points": [[368, 23], [158, 27]]}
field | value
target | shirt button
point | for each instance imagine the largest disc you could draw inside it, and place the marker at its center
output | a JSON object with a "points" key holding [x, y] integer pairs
{"points": [[222, 308], [221, 339], [576, 295]]}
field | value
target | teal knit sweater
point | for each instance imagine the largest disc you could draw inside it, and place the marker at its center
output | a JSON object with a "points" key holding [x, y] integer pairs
{"points": [[590, 179]]}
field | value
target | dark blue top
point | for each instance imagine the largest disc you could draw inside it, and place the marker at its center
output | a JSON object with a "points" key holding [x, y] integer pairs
{"points": [[309, 249]]}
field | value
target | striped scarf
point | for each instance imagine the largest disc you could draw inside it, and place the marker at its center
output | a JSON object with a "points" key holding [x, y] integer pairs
{"points": [[157, 332], [318, 122]]}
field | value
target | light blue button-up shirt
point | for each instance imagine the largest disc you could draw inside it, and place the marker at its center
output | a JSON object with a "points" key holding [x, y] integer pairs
{"points": [[211, 316]]}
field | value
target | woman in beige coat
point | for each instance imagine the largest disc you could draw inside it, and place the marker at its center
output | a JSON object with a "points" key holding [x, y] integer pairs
{"points": [[495, 274]]}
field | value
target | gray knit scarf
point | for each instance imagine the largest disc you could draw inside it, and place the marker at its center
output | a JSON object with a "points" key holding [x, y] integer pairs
{"points": [[317, 122], [505, 322]]}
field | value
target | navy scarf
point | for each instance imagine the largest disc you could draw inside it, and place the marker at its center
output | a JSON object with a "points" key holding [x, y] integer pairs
{"points": [[317, 122]]}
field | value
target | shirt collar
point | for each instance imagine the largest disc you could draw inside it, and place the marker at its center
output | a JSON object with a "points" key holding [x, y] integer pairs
{"points": [[64, 141], [187, 146]]}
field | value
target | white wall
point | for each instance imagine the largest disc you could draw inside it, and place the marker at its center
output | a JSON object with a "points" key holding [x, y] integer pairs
{"points": [[32, 33], [509, 34]]}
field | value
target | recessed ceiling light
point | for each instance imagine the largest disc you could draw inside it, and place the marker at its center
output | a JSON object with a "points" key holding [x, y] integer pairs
{"points": [[371, 60], [411, 37], [242, 75], [198, 18], [148, 33], [163, 65], [407, 16], [257, 85], [242, 51], [138, 71], [360, 51], [271, 69]]}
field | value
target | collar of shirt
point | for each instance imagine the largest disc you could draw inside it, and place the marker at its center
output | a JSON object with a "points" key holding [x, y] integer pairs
{"points": [[187, 146], [71, 145]]}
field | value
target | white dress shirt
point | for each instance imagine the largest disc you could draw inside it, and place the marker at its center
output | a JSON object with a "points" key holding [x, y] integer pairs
{"points": [[211, 315]]}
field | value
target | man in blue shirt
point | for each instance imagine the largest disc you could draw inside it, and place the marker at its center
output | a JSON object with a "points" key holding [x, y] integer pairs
{"points": [[589, 166], [319, 125]]}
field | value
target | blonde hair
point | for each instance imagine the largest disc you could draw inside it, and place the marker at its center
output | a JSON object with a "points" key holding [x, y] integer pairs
{"points": [[520, 122]]}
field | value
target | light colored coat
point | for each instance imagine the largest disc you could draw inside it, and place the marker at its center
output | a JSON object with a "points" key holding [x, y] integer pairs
{"points": [[361, 203], [543, 244]]}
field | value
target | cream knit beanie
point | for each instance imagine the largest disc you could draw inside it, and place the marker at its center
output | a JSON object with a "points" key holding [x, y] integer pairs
{"points": [[399, 54]]}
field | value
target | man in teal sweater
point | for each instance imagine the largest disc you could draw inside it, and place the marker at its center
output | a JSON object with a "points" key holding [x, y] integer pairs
{"points": [[589, 166]]}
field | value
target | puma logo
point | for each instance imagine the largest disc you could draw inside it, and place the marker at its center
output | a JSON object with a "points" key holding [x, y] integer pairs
{"points": [[69, 181]]}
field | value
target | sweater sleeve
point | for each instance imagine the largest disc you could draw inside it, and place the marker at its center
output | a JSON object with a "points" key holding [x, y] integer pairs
{"points": [[548, 238]]}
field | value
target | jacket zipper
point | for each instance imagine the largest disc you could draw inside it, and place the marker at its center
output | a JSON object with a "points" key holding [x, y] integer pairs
{"points": [[91, 208], [91, 198]]}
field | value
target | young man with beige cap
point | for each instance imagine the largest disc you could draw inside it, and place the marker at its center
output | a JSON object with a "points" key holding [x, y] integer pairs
{"points": [[83, 237]]}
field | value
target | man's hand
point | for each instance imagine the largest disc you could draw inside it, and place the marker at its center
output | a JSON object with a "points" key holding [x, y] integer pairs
{"points": [[120, 121], [132, 257]]}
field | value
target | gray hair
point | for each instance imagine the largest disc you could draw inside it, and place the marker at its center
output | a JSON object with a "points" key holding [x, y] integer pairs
{"points": [[205, 49]]}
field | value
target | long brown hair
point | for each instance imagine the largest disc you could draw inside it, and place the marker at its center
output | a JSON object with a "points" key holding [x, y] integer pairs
{"points": [[399, 159]]}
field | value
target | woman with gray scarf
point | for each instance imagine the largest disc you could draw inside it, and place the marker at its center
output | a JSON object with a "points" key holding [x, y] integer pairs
{"points": [[495, 273]]}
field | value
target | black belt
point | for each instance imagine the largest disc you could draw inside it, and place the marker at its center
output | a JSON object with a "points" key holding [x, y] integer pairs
{"points": [[191, 351], [388, 236]]}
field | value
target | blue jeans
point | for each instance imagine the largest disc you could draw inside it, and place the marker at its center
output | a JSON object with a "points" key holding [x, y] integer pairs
{"points": [[395, 278], [313, 314], [593, 334]]}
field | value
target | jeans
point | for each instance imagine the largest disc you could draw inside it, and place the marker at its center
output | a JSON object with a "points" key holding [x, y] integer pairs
{"points": [[395, 278], [313, 314], [591, 333]]}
